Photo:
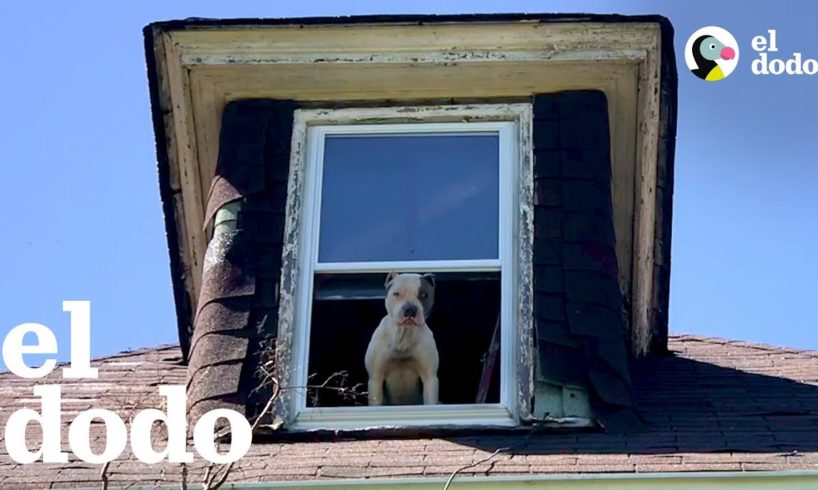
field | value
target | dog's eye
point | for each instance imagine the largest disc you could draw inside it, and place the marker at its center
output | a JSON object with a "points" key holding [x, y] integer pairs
{"points": [[423, 295], [396, 294]]}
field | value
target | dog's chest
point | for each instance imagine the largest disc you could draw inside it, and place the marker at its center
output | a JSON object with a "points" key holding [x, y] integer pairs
{"points": [[404, 341], [401, 363]]}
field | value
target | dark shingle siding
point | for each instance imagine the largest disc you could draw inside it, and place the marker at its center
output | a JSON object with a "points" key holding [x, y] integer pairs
{"points": [[238, 306], [581, 333]]}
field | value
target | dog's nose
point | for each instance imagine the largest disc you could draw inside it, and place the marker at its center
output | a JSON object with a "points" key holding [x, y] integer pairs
{"points": [[410, 311]]}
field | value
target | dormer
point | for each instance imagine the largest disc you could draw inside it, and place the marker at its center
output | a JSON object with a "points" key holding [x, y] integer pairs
{"points": [[525, 161]]}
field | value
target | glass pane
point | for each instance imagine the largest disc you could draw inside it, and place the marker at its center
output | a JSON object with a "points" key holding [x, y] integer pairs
{"points": [[410, 197]]}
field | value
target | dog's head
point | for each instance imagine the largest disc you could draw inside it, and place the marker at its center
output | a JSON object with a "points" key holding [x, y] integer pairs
{"points": [[409, 297]]}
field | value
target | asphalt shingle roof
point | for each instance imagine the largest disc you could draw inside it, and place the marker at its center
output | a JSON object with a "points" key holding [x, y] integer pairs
{"points": [[713, 405]]}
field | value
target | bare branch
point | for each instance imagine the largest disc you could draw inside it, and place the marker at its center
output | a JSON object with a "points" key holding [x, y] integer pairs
{"points": [[478, 463], [211, 484], [208, 471], [210, 478], [103, 475], [493, 455], [184, 476], [269, 377]]}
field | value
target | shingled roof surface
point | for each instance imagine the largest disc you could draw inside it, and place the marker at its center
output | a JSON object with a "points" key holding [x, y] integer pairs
{"points": [[713, 405]]}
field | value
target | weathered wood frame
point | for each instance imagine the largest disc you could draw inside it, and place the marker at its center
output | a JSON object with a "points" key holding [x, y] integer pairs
{"points": [[198, 70], [512, 122]]}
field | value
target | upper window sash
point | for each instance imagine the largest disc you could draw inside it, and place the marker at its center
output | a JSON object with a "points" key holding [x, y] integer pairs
{"points": [[483, 256]]}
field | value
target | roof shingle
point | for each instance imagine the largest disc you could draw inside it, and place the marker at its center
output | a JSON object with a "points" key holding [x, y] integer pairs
{"points": [[714, 405]]}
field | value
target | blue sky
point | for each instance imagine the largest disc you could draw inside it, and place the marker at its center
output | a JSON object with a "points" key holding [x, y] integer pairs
{"points": [[82, 216]]}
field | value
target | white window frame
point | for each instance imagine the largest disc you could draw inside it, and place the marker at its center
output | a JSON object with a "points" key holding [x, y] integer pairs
{"points": [[511, 122]]}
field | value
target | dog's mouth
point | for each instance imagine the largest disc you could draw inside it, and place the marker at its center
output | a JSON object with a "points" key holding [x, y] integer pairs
{"points": [[409, 322]]}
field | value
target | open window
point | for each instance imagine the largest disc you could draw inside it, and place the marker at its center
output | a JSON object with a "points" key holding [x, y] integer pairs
{"points": [[433, 196]]}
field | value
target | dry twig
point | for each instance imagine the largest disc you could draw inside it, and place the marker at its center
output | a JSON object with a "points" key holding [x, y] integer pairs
{"points": [[267, 372], [491, 456], [222, 473], [103, 475]]}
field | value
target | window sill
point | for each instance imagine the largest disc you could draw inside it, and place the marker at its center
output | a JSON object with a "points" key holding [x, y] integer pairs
{"points": [[364, 429], [398, 419]]}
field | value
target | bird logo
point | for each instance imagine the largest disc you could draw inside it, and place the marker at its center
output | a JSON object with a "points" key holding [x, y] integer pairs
{"points": [[711, 53]]}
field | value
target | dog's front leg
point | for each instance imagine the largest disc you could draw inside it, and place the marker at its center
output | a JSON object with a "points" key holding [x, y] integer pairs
{"points": [[375, 391], [430, 389]]}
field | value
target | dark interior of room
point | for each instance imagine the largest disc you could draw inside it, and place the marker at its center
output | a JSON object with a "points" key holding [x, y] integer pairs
{"points": [[348, 307]]}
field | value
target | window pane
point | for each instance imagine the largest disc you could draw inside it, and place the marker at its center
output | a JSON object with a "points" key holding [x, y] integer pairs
{"points": [[410, 197]]}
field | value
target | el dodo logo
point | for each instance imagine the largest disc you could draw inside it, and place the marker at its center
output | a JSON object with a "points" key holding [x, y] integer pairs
{"points": [[711, 53], [50, 416]]}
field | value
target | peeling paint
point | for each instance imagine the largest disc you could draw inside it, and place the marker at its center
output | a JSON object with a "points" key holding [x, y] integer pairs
{"points": [[645, 221], [288, 304], [525, 260], [548, 53]]}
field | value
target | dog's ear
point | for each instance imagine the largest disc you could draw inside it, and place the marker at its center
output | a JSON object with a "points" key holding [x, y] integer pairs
{"points": [[430, 278], [389, 278]]}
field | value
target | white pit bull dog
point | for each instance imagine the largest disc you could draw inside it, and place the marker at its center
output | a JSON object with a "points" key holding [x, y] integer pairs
{"points": [[402, 356]]}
